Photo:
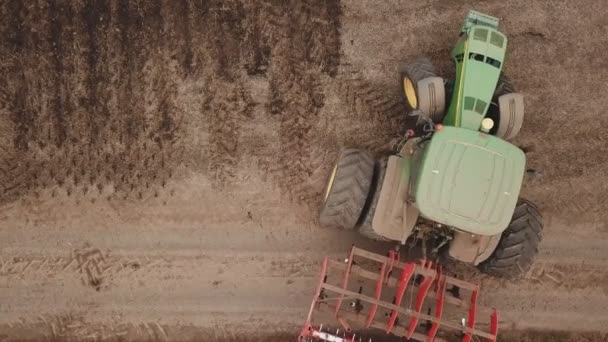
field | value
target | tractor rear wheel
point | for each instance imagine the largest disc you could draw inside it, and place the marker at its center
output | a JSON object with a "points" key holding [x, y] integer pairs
{"points": [[518, 245], [347, 189], [366, 226], [422, 88]]}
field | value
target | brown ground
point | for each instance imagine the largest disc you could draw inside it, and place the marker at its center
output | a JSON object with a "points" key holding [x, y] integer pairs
{"points": [[161, 163]]}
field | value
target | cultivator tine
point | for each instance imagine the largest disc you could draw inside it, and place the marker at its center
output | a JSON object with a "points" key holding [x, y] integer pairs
{"points": [[406, 274], [493, 325], [344, 324], [370, 269], [424, 289], [438, 310], [393, 258], [438, 278], [323, 276], [374, 307], [471, 322], [345, 280]]}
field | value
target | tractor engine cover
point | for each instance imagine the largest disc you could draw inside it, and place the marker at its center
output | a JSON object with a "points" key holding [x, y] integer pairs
{"points": [[469, 180]]}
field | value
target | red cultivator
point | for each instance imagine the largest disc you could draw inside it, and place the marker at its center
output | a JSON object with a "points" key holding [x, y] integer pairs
{"points": [[405, 299]]}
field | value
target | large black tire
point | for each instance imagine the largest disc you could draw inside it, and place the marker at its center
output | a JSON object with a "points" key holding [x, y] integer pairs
{"points": [[518, 245], [347, 189], [366, 226], [421, 68]]}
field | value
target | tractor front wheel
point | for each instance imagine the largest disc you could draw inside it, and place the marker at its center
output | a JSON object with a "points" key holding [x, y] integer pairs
{"points": [[422, 89], [503, 87], [518, 245], [506, 110], [347, 189]]}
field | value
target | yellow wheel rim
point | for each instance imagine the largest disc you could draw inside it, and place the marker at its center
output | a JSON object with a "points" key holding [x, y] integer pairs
{"points": [[410, 92], [330, 183]]}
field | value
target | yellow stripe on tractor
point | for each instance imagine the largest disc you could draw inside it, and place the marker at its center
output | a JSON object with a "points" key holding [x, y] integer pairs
{"points": [[458, 119]]}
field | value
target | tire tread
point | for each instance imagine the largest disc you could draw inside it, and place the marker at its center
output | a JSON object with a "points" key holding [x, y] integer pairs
{"points": [[349, 191], [518, 244]]}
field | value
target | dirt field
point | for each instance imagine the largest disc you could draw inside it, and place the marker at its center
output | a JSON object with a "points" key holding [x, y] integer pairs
{"points": [[161, 164]]}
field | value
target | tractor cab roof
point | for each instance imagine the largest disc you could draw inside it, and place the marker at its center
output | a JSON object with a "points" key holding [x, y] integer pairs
{"points": [[478, 18], [468, 180]]}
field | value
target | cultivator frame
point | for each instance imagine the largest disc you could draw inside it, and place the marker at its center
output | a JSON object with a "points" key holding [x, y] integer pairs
{"points": [[422, 281]]}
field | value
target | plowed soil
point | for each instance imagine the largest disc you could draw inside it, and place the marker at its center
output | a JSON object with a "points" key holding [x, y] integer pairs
{"points": [[162, 162]]}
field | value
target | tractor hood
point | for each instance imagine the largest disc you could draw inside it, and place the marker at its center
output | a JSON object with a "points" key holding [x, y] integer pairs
{"points": [[468, 180]]}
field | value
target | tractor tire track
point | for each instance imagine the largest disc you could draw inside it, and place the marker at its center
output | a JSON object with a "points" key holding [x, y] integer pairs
{"points": [[225, 103], [82, 109], [374, 106], [295, 88]]}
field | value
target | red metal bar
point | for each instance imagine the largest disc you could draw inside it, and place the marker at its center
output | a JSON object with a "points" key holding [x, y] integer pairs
{"points": [[408, 270], [405, 311], [307, 329], [397, 330], [345, 280], [494, 325], [380, 258], [392, 259], [344, 324], [374, 308], [438, 278], [422, 292], [394, 282], [471, 322], [438, 310]]}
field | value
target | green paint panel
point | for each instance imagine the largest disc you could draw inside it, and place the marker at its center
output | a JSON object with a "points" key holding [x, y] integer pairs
{"points": [[469, 180], [479, 56]]}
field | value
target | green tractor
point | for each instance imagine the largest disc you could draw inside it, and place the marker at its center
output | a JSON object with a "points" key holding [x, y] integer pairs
{"points": [[456, 181]]}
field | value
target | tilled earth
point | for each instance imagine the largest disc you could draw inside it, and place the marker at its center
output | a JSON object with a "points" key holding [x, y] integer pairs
{"points": [[161, 162]]}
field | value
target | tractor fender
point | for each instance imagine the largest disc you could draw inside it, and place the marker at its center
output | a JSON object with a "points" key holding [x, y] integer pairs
{"points": [[471, 248], [395, 217]]}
